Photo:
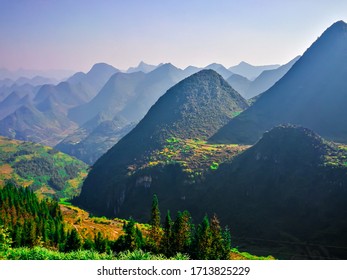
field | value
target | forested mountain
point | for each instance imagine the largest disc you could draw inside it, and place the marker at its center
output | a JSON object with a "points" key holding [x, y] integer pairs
{"points": [[47, 172], [288, 190], [194, 108], [311, 94]]}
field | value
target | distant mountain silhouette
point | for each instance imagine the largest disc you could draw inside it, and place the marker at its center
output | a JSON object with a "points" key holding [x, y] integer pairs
{"points": [[143, 67], [54, 74], [268, 78], [240, 83], [94, 80], [311, 94], [249, 89], [30, 124], [220, 69], [129, 95], [249, 71]]}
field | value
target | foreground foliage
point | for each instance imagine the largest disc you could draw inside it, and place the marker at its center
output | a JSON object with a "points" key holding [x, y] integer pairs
{"points": [[33, 229]]}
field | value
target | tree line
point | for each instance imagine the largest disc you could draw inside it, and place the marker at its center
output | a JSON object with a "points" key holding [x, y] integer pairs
{"points": [[26, 221], [207, 240]]}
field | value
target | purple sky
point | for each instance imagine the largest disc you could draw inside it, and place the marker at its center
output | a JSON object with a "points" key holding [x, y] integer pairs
{"points": [[75, 34]]}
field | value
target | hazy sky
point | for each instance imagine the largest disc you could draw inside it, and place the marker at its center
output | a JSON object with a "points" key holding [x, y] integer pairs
{"points": [[75, 34]]}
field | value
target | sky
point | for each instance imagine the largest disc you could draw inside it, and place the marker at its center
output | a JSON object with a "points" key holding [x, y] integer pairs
{"points": [[75, 34]]}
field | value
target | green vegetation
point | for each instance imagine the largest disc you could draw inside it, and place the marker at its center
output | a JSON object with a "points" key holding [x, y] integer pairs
{"points": [[29, 221], [195, 156], [336, 157], [46, 171], [40, 253], [31, 229]]}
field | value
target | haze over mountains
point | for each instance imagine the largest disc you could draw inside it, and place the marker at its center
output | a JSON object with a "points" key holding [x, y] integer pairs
{"points": [[269, 185], [186, 136], [311, 94], [249, 71], [194, 108]]}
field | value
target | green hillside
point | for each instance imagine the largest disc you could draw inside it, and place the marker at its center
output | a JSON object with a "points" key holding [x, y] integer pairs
{"points": [[46, 171]]}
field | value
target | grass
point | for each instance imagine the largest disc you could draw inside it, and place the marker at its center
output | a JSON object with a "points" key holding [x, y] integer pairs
{"points": [[88, 226], [235, 254], [39, 253]]}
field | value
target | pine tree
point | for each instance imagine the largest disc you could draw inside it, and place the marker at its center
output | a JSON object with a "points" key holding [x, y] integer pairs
{"points": [[182, 232], [203, 240], [219, 250], [131, 240], [101, 243], [155, 233], [166, 241], [73, 241]]}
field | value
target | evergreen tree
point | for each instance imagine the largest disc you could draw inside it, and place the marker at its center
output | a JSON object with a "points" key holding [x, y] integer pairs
{"points": [[131, 240], [166, 241], [101, 243], [30, 222], [155, 233], [182, 232], [203, 241], [219, 248], [73, 241]]}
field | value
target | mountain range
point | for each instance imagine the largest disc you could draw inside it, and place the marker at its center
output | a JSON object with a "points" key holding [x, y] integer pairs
{"points": [[286, 193], [311, 94], [194, 108], [251, 88], [250, 71]]}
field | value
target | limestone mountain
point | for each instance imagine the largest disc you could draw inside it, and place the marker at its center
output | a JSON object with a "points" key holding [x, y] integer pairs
{"points": [[29, 123], [250, 71], [94, 79], [194, 108], [129, 94], [220, 69], [289, 190], [249, 89], [268, 78], [90, 141], [239, 83], [311, 94], [143, 67]]}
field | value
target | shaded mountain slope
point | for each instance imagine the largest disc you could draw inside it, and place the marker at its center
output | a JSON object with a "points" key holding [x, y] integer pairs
{"points": [[89, 142], [289, 190], [194, 108], [268, 78], [311, 94]]}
